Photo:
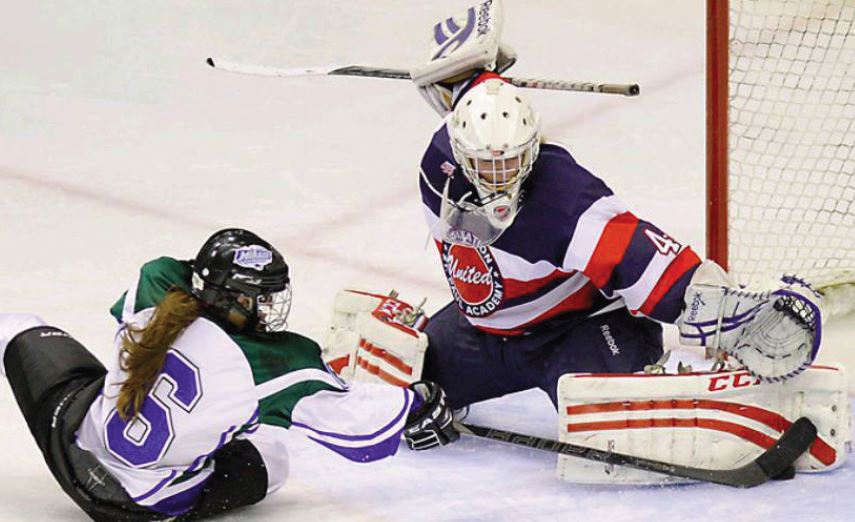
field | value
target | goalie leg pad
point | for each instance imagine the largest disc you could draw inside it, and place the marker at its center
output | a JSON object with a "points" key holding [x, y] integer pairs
{"points": [[710, 420]]}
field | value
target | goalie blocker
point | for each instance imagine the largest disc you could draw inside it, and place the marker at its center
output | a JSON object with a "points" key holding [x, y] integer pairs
{"points": [[708, 420], [375, 338]]}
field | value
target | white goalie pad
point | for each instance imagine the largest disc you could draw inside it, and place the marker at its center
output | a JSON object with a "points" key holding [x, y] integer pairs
{"points": [[718, 420], [375, 338], [462, 44]]}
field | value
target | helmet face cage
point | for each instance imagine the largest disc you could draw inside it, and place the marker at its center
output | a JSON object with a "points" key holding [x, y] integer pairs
{"points": [[497, 171], [272, 310]]}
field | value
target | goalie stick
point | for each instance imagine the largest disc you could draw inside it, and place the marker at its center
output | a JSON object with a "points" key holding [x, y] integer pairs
{"points": [[626, 89], [772, 463]]}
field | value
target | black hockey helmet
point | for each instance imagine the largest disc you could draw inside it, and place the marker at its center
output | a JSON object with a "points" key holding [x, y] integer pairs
{"points": [[241, 279]]}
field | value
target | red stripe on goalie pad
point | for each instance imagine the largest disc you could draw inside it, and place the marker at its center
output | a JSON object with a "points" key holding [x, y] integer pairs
{"points": [[393, 361], [820, 450], [743, 432], [376, 370]]}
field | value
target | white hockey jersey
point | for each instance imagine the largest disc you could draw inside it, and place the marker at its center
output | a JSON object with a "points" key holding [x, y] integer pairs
{"points": [[216, 387]]}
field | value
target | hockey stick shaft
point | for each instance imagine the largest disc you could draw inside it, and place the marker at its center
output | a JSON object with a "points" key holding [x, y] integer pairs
{"points": [[626, 89], [771, 463]]}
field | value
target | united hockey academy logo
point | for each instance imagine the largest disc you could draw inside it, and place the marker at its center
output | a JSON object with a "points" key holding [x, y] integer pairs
{"points": [[253, 256], [474, 278]]}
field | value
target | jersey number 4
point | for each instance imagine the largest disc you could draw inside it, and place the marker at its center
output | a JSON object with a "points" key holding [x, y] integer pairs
{"points": [[664, 244], [143, 440]]}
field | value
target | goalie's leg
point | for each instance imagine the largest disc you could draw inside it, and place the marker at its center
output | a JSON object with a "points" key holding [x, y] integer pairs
{"points": [[615, 342], [467, 363]]}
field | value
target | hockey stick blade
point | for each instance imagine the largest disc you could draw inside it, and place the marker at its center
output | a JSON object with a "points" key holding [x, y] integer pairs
{"points": [[630, 89], [772, 463]]}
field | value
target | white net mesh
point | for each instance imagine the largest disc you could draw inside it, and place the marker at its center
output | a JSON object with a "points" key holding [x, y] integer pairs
{"points": [[791, 138]]}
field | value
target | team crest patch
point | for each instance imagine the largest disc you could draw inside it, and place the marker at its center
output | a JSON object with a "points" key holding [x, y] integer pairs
{"points": [[474, 278], [253, 256]]}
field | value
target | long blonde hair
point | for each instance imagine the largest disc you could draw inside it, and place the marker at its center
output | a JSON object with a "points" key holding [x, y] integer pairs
{"points": [[143, 350]]}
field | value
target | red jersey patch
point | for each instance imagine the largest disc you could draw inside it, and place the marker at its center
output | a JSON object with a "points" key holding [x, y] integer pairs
{"points": [[474, 278]]}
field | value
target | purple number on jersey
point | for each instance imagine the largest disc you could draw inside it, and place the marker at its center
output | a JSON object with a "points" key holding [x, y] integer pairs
{"points": [[143, 440]]}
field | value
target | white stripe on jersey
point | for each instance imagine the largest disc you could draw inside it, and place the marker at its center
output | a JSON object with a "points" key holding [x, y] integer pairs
{"points": [[636, 294], [130, 299], [290, 379], [521, 269], [511, 265], [516, 316], [589, 228]]}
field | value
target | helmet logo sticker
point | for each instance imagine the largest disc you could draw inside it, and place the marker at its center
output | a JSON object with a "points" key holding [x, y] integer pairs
{"points": [[474, 278], [253, 256]]}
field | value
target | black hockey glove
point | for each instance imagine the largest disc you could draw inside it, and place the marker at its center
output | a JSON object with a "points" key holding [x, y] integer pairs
{"points": [[430, 425]]}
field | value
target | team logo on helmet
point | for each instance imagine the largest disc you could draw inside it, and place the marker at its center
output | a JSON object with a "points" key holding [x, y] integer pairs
{"points": [[474, 278], [253, 256]]}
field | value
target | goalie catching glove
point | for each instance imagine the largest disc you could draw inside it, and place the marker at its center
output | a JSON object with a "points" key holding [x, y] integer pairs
{"points": [[774, 334], [431, 424]]}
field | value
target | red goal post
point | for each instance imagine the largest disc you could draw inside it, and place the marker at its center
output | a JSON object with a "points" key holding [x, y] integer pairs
{"points": [[781, 139]]}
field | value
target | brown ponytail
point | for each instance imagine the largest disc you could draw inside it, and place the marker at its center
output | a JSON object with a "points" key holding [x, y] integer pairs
{"points": [[144, 350]]}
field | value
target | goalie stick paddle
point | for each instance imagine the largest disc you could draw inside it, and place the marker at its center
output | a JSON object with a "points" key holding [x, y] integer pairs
{"points": [[772, 463], [626, 89]]}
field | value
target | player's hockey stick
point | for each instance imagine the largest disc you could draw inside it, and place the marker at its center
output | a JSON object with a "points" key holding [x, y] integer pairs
{"points": [[626, 89], [772, 463]]}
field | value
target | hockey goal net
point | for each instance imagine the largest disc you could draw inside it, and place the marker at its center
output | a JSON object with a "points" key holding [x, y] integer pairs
{"points": [[780, 138]]}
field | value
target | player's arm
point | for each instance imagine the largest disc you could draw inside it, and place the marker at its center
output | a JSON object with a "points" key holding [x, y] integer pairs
{"points": [[625, 256]]}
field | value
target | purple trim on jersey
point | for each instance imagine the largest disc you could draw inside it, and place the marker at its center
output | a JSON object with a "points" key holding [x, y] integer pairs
{"points": [[670, 306], [405, 410], [179, 503], [160, 485], [202, 458], [386, 448]]}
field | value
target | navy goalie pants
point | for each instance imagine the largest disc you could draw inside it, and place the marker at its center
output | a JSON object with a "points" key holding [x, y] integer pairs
{"points": [[473, 366]]}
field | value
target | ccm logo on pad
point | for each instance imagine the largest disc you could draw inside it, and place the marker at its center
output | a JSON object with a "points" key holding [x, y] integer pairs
{"points": [[732, 380]]}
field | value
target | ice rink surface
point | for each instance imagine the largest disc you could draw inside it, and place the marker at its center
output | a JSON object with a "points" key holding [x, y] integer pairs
{"points": [[118, 144]]}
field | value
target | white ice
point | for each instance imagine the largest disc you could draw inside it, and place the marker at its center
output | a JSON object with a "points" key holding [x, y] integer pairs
{"points": [[118, 144]]}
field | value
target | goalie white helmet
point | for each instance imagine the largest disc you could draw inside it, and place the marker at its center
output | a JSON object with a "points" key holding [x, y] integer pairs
{"points": [[495, 138]]}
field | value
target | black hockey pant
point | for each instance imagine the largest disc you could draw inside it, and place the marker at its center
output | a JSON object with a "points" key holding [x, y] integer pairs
{"points": [[55, 379]]}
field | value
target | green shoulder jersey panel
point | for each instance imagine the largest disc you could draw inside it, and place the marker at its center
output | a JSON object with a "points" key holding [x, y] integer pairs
{"points": [[271, 354], [156, 278], [286, 367]]}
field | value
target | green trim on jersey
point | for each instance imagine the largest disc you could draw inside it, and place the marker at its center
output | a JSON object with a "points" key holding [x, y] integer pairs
{"points": [[277, 409], [156, 278]]}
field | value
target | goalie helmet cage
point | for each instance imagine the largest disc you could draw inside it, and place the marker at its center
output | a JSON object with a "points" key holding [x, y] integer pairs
{"points": [[780, 137]]}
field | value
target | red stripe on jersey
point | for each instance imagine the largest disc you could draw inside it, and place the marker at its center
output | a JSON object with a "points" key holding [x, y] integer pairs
{"points": [[515, 287], [611, 247], [685, 261], [820, 449], [582, 299]]}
